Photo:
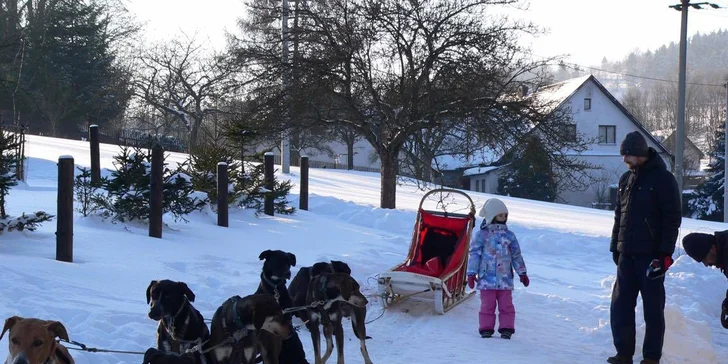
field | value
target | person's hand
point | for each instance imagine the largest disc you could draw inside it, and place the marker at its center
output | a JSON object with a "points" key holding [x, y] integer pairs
{"points": [[524, 280], [471, 282], [615, 258], [658, 267]]}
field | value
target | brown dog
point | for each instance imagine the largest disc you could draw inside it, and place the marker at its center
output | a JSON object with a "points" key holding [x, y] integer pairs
{"points": [[236, 327], [181, 325], [332, 296], [33, 341]]}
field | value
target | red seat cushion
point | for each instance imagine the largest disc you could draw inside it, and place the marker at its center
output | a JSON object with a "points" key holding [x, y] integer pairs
{"points": [[432, 268]]}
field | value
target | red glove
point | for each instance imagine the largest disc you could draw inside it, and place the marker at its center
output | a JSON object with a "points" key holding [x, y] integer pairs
{"points": [[471, 282], [524, 279], [658, 267]]}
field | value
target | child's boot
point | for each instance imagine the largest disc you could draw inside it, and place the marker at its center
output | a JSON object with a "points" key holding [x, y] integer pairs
{"points": [[486, 333], [506, 333]]}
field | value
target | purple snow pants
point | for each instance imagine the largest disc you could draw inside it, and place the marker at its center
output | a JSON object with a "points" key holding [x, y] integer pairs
{"points": [[506, 311]]}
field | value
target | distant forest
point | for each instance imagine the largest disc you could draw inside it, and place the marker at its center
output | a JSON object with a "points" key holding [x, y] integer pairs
{"points": [[654, 101]]}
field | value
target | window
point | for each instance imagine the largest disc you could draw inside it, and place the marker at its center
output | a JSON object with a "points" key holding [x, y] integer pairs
{"points": [[587, 104], [607, 134], [477, 185]]}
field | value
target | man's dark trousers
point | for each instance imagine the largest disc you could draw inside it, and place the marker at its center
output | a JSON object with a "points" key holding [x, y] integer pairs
{"points": [[631, 280]]}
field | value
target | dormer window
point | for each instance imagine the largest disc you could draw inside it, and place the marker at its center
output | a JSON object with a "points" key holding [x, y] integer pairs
{"points": [[587, 104]]}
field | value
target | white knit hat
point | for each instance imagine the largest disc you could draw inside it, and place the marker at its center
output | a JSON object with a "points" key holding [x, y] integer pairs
{"points": [[491, 208]]}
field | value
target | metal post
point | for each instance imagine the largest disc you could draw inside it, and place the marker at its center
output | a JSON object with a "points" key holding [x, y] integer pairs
{"points": [[64, 224], [269, 184], [222, 194], [285, 146], [93, 137], [680, 129], [156, 191], [725, 159], [303, 196]]}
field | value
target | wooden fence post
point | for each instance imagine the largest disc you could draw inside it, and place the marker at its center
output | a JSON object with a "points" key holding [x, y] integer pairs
{"points": [[269, 184], [222, 194], [93, 137], [303, 196], [155, 205], [64, 222]]}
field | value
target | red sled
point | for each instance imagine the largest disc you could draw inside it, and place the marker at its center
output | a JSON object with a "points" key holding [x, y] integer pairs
{"points": [[435, 268]]}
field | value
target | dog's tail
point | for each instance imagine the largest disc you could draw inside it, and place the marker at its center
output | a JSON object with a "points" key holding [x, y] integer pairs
{"points": [[356, 332]]}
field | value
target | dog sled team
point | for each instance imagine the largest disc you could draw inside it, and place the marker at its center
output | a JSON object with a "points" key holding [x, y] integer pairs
{"points": [[444, 258]]}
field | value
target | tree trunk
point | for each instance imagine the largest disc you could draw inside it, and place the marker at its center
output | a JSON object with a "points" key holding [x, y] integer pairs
{"points": [[390, 167], [193, 135], [350, 154], [427, 169]]}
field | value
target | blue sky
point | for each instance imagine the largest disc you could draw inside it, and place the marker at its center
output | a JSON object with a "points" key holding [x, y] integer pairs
{"points": [[586, 29]]}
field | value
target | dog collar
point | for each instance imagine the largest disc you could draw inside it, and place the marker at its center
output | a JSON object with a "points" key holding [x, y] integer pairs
{"points": [[270, 282]]}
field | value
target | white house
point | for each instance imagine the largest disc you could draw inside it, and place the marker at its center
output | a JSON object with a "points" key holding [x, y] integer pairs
{"points": [[596, 114]]}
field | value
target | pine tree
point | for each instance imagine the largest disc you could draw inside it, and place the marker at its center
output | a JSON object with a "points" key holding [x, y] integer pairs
{"points": [[8, 164], [201, 166], [128, 195], [83, 191], [529, 174], [707, 200]]}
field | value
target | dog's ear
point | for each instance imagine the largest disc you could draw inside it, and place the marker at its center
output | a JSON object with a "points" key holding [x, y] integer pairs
{"points": [[9, 323], [264, 255], [149, 290], [187, 291], [57, 329], [292, 259]]}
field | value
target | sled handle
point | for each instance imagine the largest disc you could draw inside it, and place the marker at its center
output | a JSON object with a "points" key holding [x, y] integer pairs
{"points": [[441, 190]]}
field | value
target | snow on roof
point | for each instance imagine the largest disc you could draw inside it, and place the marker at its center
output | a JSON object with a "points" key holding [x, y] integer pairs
{"points": [[553, 95], [479, 170], [481, 156]]}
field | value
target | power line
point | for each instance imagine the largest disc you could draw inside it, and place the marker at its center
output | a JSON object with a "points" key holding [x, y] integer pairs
{"points": [[579, 67]]}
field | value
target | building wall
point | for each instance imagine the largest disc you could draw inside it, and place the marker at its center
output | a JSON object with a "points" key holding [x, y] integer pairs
{"points": [[603, 112], [487, 182], [363, 154]]}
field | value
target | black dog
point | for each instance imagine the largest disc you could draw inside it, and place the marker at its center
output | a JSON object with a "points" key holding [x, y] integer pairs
{"points": [[343, 298], [181, 326], [155, 356], [276, 271], [298, 289]]}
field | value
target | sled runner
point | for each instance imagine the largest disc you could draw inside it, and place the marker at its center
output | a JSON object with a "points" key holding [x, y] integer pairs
{"points": [[435, 268]]}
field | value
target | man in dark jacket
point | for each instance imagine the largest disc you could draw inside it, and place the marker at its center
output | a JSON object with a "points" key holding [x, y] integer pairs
{"points": [[647, 217], [711, 250]]}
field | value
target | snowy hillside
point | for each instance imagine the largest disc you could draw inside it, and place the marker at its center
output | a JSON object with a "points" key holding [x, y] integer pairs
{"points": [[562, 317]]}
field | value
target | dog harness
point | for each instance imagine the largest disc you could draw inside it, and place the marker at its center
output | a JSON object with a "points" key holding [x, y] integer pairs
{"points": [[233, 315]]}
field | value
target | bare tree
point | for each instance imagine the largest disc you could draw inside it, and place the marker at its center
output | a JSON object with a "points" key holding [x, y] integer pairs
{"points": [[179, 79], [391, 69]]}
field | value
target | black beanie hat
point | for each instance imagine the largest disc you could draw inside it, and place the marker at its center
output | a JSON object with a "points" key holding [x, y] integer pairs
{"points": [[634, 144], [697, 245]]}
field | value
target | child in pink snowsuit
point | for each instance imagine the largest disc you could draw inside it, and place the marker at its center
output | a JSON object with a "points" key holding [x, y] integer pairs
{"points": [[494, 254]]}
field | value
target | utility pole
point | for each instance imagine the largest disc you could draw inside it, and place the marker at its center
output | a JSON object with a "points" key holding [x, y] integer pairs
{"points": [[725, 158], [680, 127], [285, 146]]}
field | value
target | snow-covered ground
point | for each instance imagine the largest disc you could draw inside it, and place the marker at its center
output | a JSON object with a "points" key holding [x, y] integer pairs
{"points": [[562, 317]]}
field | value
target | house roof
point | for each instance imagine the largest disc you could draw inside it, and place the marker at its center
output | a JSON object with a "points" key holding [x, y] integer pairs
{"points": [[625, 112], [479, 170], [664, 134], [550, 97]]}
